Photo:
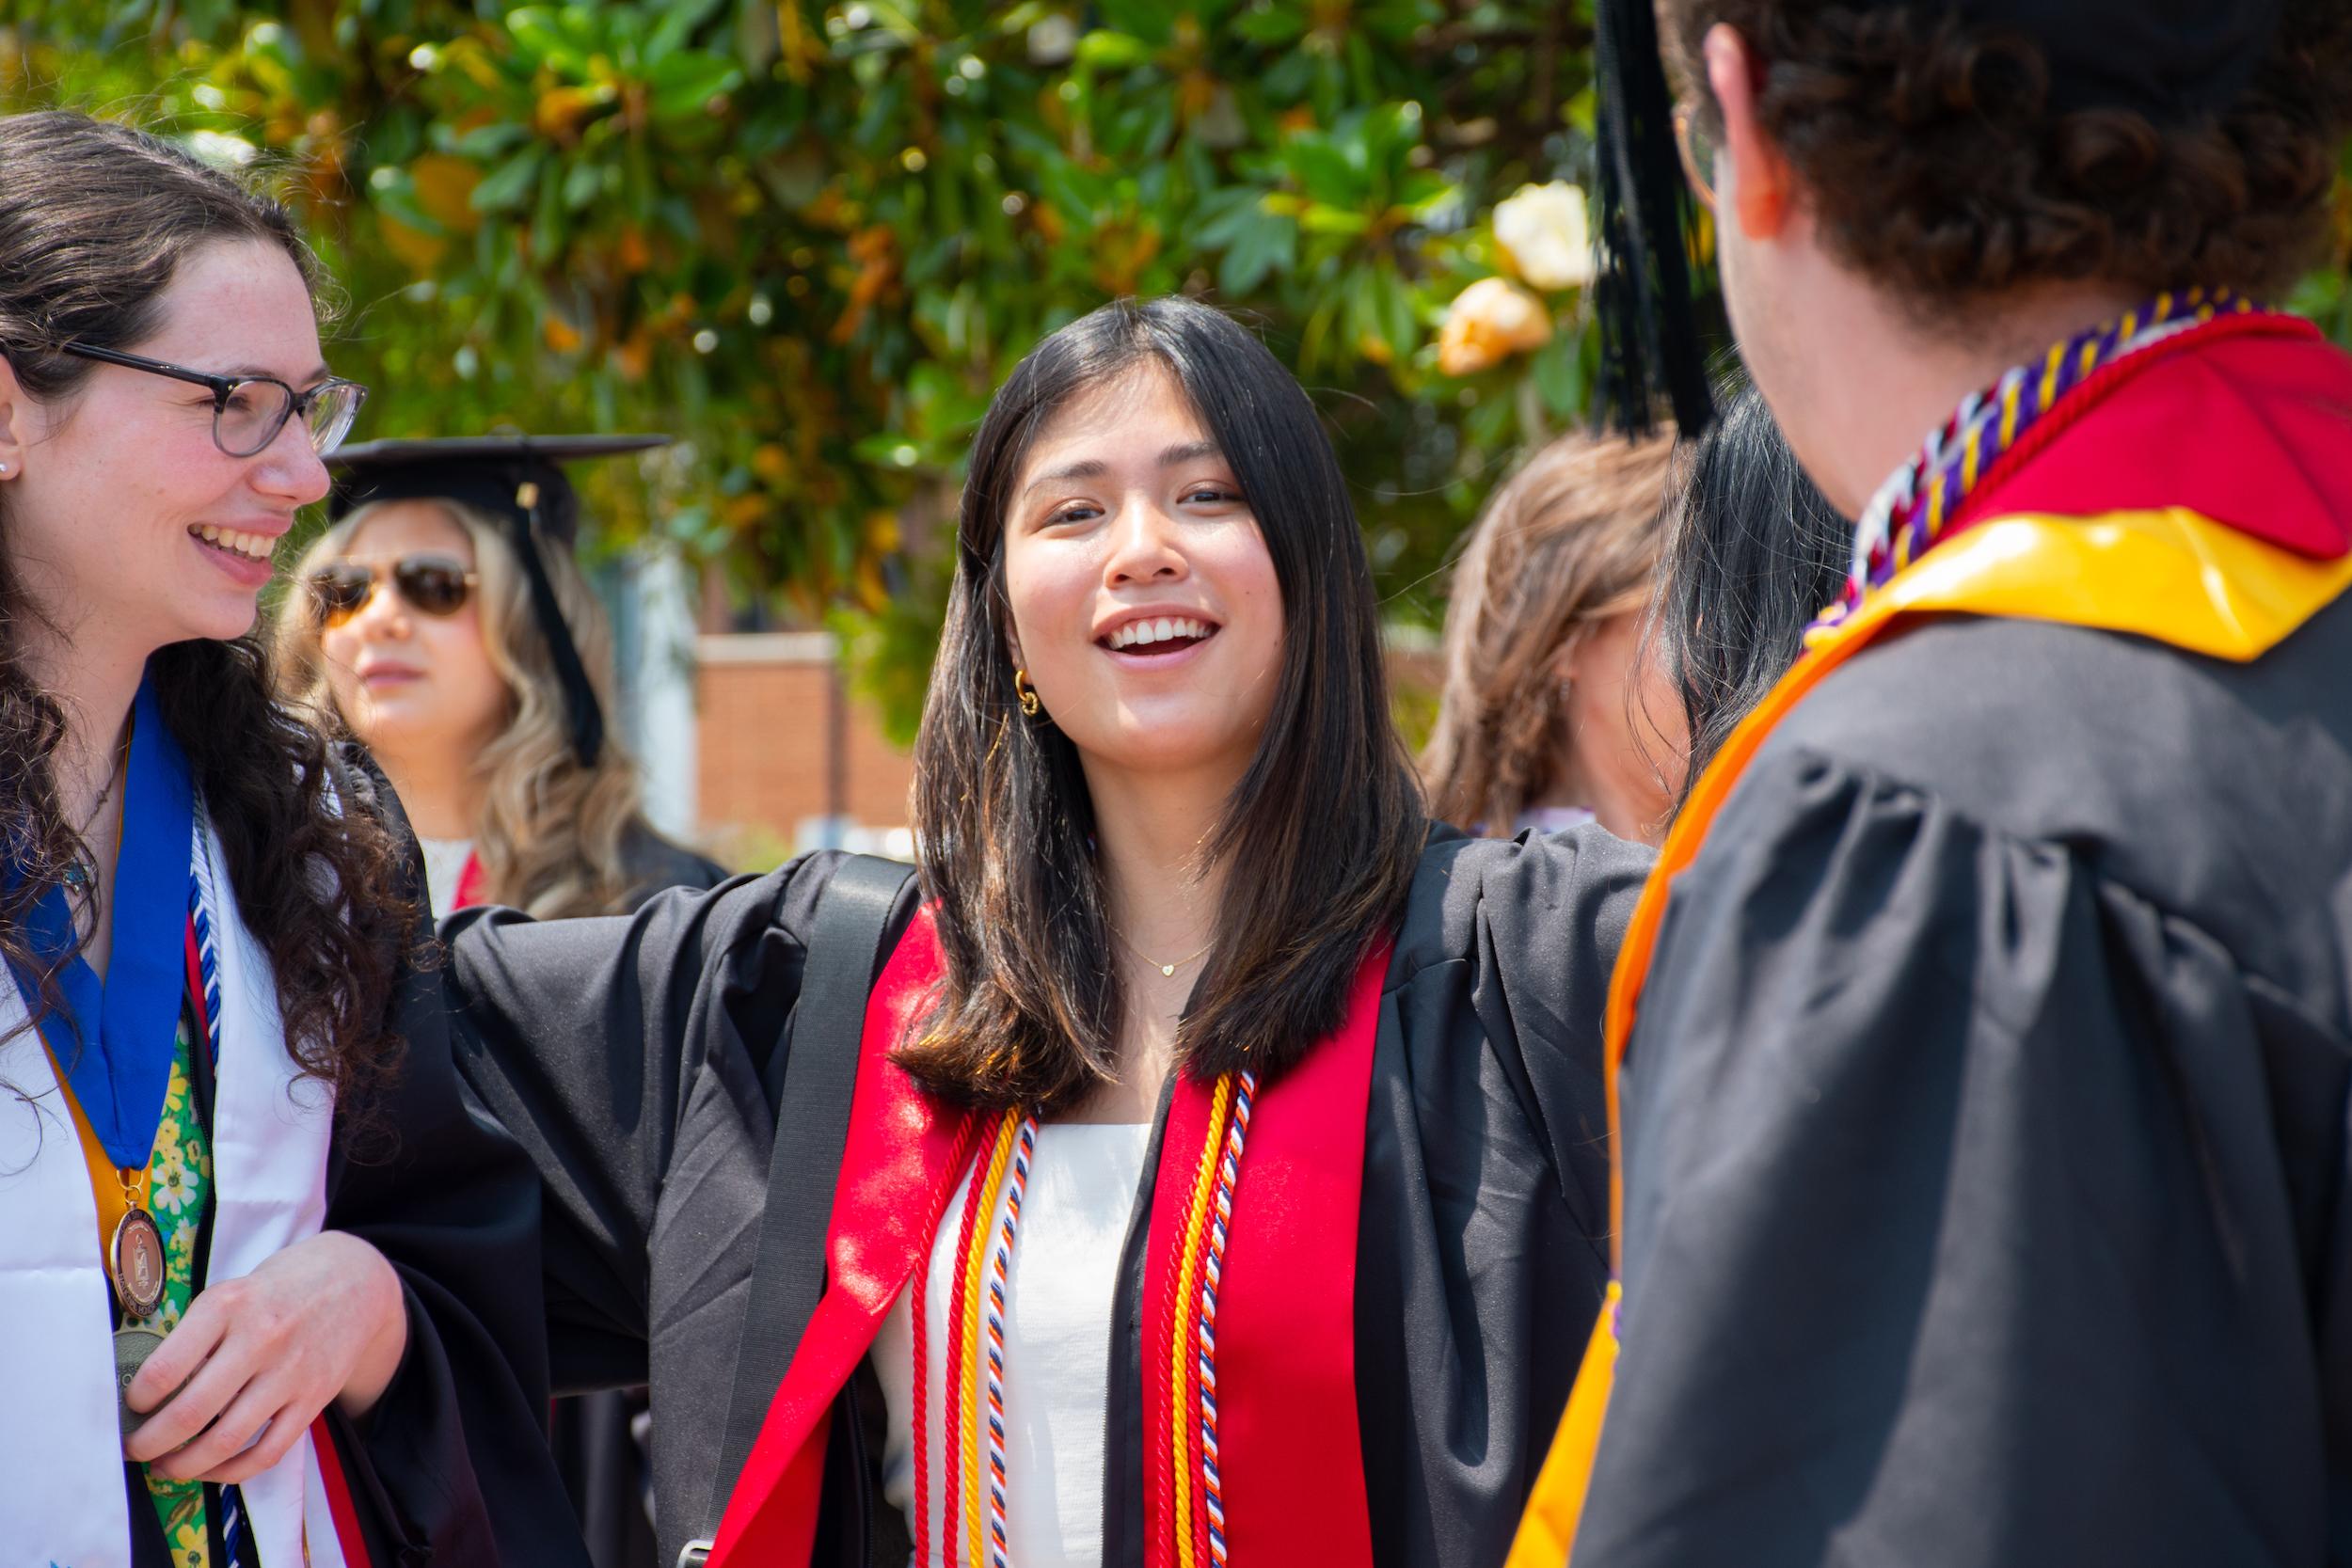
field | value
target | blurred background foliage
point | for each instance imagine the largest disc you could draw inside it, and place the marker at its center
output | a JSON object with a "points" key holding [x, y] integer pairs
{"points": [[810, 238]]}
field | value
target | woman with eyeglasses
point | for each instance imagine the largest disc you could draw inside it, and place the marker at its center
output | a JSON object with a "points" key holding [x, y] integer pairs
{"points": [[257, 1300], [444, 622]]}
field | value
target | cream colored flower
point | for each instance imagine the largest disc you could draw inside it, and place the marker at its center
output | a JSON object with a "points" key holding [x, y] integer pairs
{"points": [[1544, 232], [171, 1188], [1487, 323]]}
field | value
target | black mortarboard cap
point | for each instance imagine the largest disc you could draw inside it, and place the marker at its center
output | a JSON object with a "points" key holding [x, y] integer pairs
{"points": [[519, 479]]}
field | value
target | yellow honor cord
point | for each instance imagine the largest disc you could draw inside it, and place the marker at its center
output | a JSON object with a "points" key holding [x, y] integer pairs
{"points": [[969, 1331], [1187, 1281]]}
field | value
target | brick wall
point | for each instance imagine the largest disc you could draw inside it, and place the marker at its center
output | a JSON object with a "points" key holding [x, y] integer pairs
{"points": [[761, 756]]}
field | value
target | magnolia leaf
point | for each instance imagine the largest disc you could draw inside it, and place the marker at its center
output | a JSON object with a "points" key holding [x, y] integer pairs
{"points": [[509, 184]]}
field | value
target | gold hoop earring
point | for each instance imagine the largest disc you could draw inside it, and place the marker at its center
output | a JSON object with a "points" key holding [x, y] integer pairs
{"points": [[1028, 693]]}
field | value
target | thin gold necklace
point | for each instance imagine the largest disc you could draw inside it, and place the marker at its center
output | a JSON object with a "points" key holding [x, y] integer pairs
{"points": [[76, 876], [1164, 968]]}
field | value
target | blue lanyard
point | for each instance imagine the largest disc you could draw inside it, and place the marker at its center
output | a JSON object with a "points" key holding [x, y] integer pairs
{"points": [[116, 1037]]}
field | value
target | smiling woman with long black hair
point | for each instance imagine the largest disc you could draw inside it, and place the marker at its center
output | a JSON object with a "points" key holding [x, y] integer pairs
{"points": [[1225, 1169]]}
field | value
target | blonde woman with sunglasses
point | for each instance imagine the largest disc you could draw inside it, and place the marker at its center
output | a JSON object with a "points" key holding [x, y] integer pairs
{"points": [[443, 621]]}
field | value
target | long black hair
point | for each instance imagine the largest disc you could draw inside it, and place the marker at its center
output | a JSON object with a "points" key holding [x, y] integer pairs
{"points": [[1756, 554], [1328, 818]]}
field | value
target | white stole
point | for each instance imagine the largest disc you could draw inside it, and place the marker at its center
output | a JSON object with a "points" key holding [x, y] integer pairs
{"points": [[61, 1491]]}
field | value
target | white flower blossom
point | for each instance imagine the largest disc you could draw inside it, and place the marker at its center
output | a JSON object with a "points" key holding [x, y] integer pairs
{"points": [[1544, 232]]}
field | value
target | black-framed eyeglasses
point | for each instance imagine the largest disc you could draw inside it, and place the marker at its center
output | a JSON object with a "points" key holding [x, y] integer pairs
{"points": [[249, 411], [1696, 144]]}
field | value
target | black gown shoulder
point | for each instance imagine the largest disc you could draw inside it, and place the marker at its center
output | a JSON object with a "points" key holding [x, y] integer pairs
{"points": [[1483, 1253], [655, 863], [1985, 1124], [627, 1054], [636, 1058]]}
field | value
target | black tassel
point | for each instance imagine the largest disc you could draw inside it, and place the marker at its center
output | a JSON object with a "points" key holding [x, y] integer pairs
{"points": [[580, 696], [1649, 337]]}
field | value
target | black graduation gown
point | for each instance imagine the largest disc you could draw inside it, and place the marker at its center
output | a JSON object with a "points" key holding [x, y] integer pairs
{"points": [[1985, 1124], [451, 1467], [1481, 1254], [596, 1450]]}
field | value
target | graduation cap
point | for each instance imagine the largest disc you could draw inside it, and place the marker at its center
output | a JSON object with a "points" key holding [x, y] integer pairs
{"points": [[518, 480]]}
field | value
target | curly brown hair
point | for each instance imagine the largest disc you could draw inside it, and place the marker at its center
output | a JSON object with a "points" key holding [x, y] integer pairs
{"points": [[1938, 163], [95, 219]]}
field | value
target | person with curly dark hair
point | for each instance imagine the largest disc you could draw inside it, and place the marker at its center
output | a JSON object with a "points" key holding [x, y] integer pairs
{"points": [[1980, 1055], [256, 1242]]}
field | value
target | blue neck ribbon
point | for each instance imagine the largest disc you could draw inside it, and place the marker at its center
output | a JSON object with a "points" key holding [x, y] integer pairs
{"points": [[116, 1037]]}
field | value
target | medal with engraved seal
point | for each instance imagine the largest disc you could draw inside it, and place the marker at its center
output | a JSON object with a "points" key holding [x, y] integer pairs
{"points": [[135, 1258], [136, 1265]]}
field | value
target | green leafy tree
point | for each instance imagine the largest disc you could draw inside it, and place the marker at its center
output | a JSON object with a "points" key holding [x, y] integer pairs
{"points": [[812, 238]]}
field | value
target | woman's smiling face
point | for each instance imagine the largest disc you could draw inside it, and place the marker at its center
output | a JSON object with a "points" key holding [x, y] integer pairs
{"points": [[1144, 604], [124, 513]]}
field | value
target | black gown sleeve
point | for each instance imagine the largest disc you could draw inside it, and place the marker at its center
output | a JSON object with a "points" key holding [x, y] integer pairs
{"points": [[635, 1058], [1958, 1230], [1482, 1249], [451, 1462], [1549, 919]]}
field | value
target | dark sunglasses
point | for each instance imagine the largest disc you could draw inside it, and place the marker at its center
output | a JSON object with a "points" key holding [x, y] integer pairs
{"points": [[429, 584], [1696, 144], [249, 411]]}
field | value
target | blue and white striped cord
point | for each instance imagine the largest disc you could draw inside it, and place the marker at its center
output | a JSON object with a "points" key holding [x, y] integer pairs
{"points": [[235, 1536]]}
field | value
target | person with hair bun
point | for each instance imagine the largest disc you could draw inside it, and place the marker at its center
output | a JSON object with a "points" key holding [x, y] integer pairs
{"points": [[256, 1239], [1198, 1161], [1981, 1050], [1551, 712]]}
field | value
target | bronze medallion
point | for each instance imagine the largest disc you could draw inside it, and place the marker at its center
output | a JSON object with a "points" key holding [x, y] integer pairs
{"points": [[132, 1346], [137, 1263]]}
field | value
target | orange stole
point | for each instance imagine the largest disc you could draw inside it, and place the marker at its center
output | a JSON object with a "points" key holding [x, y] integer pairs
{"points": [[2171, 575]]}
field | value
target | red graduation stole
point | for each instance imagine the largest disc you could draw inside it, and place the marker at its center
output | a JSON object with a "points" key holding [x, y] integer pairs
{"points": [[471, 884], [1291, 1476], [340, 1507]]}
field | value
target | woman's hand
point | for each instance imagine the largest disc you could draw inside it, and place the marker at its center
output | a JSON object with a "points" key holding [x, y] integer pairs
{"points": [[323, 1319]]}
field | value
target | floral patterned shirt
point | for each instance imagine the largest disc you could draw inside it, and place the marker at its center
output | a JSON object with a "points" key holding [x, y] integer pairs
{"points": [[180, 1187]]}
